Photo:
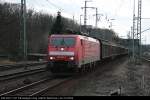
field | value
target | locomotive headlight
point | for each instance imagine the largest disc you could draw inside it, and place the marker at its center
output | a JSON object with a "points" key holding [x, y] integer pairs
{"points": [[51, 58], [71, 58], [62, 49]]}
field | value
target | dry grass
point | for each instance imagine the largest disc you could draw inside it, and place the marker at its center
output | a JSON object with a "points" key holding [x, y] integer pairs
{"points": [[6, 61]]}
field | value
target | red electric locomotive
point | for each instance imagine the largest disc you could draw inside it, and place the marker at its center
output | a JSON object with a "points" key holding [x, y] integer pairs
{"points": [[69, 53]]}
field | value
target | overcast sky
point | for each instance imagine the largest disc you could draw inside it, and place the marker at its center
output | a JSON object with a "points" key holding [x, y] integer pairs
{"points": [[120, 10]]}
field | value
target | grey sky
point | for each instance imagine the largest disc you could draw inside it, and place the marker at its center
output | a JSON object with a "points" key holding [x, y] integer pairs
{"points": [[120, 10]]}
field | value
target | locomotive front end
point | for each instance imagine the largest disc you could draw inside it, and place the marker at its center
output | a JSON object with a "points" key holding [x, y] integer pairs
{"points": [[61, 54]]}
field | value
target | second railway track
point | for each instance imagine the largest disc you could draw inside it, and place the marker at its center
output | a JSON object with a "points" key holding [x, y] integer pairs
{"points": [[22, 70], [36, 88], [20, 74], [146, 59], [20, 65]]}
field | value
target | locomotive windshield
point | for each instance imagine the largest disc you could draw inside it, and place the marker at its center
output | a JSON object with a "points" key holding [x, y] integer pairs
{"points": [[62, 41]]}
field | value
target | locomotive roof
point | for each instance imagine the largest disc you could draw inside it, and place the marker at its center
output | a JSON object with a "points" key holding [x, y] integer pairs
{"points": [[63, 35], [73, 35], [88, 38]]}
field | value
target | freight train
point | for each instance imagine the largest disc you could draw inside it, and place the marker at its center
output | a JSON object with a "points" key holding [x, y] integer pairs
{"points": [[79, 53]]}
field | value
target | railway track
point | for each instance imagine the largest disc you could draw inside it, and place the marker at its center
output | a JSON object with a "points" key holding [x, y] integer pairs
{"points": [[20, 74], [37, 88], [43, 87], [18, 70], [146, 59], [19, 65]]}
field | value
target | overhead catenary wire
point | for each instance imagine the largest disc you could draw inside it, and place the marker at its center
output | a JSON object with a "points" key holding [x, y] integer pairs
{"points": [[42, 4], [54, 5], [39, 4]]}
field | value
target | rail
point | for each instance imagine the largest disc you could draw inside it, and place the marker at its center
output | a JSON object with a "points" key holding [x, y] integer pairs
{"points": [[22, 88], [145, 59], [13, 66], [36, 88], [20, 74]]}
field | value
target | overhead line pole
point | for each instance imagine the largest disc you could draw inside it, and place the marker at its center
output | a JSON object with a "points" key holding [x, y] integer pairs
{"points": [[133, 32], [85, 7], [96, 18], [96, 21], [139, 26], [23, 41], [85, 12], [80, 22]]}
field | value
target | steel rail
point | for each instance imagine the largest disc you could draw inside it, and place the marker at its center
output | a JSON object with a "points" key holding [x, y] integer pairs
{"points": [[31, 86], [39, 93], [13, 66], [22, 88], [145, 59], [20, 74]]}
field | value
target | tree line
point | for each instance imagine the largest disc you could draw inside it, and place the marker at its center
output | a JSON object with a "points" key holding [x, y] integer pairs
{"points": [[38, 25]]}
